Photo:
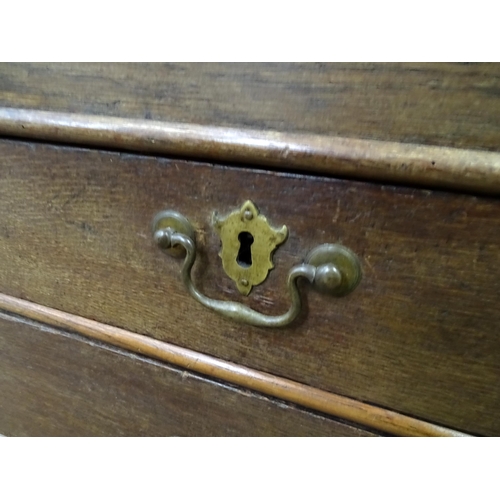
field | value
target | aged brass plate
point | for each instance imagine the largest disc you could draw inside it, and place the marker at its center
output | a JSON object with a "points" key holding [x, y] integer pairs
{"points": [[248, 243]]}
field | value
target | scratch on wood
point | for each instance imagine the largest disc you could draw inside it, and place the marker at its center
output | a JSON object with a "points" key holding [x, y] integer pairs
{"points": [[337, 213]]}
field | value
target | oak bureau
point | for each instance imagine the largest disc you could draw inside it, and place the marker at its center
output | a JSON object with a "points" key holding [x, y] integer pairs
{"points": [[250, 249]]}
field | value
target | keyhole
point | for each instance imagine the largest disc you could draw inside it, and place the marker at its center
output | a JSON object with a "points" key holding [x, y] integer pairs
{"points": [[244, 258]]}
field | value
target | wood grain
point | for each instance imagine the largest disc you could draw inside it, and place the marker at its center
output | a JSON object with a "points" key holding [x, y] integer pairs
{"points": [[53, 383], [418, 336], [454, 105], [322, 401], [472, 171]]}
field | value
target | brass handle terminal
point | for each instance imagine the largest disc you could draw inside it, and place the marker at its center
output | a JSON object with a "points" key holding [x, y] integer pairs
{"points": [[331, 269]]}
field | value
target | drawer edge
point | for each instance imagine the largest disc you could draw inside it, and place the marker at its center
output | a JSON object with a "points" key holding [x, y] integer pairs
{"points": [[265, 383], [394, 162]]}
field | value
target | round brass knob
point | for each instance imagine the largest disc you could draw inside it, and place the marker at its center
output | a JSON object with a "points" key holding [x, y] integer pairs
{"points": [[338, 270]]}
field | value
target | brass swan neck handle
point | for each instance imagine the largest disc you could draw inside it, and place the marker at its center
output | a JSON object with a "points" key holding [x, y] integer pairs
{"points": [[167, 238], [331, 269]]}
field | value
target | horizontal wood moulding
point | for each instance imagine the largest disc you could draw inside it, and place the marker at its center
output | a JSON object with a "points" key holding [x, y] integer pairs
{"points": [[441, 104], [309, 397], [58, 383], [412, 164]]}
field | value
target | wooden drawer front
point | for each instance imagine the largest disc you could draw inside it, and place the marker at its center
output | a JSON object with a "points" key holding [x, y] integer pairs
{"points": [[54, 383], [419, 335]]}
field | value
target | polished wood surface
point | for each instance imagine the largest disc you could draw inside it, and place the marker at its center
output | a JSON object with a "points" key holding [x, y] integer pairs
{"points": [[53, 383], [325, 402], [410, 164], [419, 335], [442, 104]]}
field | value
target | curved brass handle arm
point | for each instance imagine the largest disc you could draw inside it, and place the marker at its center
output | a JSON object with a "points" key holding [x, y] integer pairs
{"points": [[331, 269], [234, 310]]}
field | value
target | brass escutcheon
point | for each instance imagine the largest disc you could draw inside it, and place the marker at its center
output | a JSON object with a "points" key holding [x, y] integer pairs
{"points": [[248, 242]]}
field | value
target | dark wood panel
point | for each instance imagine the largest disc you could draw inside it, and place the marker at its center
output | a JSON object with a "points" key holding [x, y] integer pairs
{"points": [[444, 104], [419, 335], [58, 384]]}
